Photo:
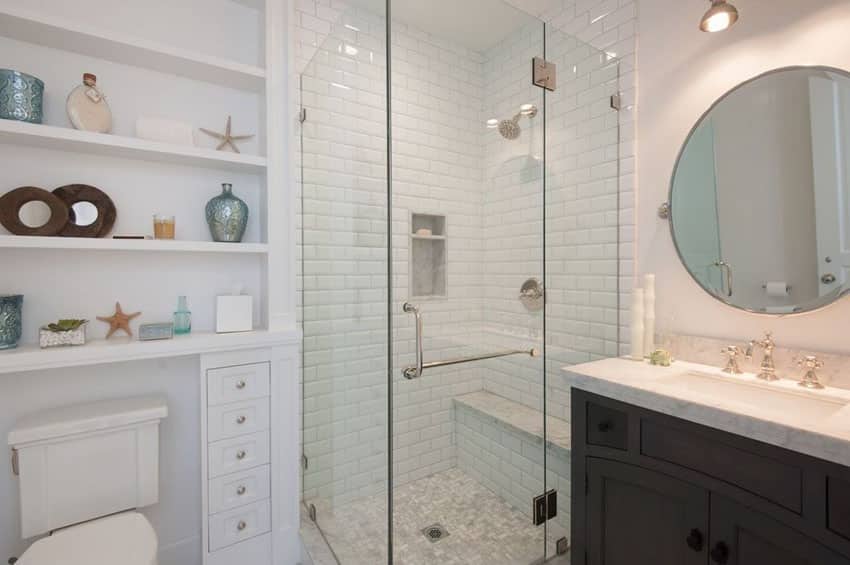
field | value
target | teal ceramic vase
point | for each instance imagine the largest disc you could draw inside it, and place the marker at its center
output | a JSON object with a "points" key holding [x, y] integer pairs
{"points": [[11, 307], [227, 216], [21, 97]]}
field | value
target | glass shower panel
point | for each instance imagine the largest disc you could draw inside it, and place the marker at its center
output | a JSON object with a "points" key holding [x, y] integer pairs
{"points": [[467, 199], [344, 267], [582, 203]]}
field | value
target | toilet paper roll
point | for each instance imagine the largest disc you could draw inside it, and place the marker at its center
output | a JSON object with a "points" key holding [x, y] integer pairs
{"points": [[776, 289], [167, 131]]}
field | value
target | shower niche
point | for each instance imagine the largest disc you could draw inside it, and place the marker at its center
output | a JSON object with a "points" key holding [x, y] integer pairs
{"points": [[428, 256]]}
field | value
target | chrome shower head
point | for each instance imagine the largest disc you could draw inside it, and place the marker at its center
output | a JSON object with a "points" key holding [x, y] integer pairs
{"points": [[510, 129]]}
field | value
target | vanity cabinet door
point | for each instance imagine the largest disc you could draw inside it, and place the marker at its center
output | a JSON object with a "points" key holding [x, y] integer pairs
{"points": [[639, 517], [741, 536]]}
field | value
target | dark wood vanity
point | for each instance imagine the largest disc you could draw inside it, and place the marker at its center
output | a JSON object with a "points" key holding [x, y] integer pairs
{"points": [[651, 489]]}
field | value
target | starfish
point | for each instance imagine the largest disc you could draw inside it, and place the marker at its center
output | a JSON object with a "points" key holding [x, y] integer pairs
{"points": [[226, 138], [119, 321]]}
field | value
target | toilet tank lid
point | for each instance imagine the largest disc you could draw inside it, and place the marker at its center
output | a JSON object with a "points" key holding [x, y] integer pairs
{"points": [[84, 418]]}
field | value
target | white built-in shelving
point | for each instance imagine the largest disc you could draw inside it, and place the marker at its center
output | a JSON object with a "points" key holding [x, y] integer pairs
{"points": [[121, 349], [149, 245], [66, 139], [42, 29]]}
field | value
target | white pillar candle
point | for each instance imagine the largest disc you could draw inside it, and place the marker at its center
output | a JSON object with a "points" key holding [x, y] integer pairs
{"points": [[648, 313], [637, 324]]}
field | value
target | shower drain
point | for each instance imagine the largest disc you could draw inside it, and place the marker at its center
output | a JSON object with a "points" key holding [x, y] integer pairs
{"points": [[435, 533]]}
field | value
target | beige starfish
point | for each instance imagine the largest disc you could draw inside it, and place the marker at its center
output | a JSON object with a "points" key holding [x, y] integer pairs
{"points": [[227, 138], [119, 321]]}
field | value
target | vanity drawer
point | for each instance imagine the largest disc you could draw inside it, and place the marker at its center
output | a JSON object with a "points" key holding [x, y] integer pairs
{"points": [[240, 418], [237, 454], [777, 481], [838, 506], [239, 524], [233, 384], [239, 489], [607, 427]]}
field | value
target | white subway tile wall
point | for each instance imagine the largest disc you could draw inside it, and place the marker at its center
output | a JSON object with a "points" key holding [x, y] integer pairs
{"points": [[490, 190]]}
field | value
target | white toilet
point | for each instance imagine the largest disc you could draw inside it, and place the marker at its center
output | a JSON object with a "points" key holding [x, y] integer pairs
{"points": [[83, 471]]}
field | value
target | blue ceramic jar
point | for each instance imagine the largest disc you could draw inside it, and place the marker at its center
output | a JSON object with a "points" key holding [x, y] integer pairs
{"points": [[21, 97], [11, 309]]}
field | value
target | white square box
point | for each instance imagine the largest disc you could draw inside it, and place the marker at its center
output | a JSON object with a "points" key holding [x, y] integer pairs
{"points": [[234, 314]]}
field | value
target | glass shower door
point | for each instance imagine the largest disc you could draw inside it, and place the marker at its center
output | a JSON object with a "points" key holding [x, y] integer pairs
{"points": [[467, 185]]}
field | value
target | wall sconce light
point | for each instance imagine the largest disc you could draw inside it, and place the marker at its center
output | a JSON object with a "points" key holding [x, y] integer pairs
{"points": [[721, 16]]}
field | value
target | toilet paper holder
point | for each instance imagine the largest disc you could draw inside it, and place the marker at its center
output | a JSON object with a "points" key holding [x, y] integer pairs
{"points": [[787, 287]]}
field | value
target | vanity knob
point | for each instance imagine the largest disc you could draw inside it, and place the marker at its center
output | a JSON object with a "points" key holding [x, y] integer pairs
{"points": [[241, 384], [241, 420], [240, 455], [241, 525], [720, 553], [241, 490], [695, 540]]}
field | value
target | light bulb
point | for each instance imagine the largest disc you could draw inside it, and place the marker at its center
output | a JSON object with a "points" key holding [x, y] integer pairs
{"points": [[719, 17]]}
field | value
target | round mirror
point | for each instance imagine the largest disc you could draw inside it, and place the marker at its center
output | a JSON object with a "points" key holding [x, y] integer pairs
{"points": [[760, 196], [34, 214], [85, 213]]}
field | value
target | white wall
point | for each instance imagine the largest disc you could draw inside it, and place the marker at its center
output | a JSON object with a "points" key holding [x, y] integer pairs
{"points": [[681, 73]]}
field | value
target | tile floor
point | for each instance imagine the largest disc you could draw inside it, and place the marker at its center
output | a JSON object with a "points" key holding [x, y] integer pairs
{"points": [[483, 529]]}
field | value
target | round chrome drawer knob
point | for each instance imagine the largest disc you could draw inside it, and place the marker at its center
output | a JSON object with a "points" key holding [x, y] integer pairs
{"points": [[241, 490], [241, 420], [240, 455], [241, 526], [241, 384]]}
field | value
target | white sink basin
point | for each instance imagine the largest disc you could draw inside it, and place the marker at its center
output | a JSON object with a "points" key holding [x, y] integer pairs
{"points": [[754, 396]]}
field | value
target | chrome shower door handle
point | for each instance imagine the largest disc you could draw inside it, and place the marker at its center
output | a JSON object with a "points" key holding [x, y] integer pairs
{"points": [[415, 372]]}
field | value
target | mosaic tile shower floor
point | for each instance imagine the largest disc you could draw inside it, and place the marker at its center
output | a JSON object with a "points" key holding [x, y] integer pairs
{"points": [[483, 528]]}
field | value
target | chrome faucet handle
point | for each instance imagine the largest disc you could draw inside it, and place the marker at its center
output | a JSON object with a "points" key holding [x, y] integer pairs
{"points": [[810, 363], [732, 353]]}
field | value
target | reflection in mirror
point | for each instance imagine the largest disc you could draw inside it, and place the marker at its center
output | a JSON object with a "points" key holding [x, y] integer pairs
{"points": [[760, 196], [34, 214], [85, 213]]}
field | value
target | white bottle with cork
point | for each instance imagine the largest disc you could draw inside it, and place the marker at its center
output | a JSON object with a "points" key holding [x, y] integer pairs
{"points": [[637, 336], [648, 314], [87, 107]]}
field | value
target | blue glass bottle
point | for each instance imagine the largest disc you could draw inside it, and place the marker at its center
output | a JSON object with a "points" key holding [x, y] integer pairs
{"points": [[182, 317]]}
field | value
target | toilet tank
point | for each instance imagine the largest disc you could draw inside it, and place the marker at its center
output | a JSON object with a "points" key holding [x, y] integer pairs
{"points": [[78, 463]]}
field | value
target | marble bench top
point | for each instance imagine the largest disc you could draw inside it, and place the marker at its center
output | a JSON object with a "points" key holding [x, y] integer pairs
{"points": [[518, 416], [642, 384]]}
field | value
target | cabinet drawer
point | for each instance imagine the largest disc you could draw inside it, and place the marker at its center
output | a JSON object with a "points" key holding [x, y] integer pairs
{"points": [[774, 480], [239, 489], [239, 524], [838, 506], [607, 427], [237, 454], [233, 384], [240, 418]]}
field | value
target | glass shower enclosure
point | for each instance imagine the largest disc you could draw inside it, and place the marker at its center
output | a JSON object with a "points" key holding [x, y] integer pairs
{"points": [[459, 246]]}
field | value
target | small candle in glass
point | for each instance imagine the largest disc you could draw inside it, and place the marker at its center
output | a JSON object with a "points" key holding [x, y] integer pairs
{"points": [[163, 227]]}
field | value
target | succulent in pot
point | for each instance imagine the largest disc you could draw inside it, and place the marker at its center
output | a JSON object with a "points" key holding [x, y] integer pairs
{"points": [[62, 333]]}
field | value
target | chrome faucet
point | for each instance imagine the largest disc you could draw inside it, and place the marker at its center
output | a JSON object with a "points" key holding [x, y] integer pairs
{"points": [[732, 353], [767, 370], [811, 364]]}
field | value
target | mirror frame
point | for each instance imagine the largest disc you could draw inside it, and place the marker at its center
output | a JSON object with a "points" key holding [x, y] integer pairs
{"points": [[815, 305]]}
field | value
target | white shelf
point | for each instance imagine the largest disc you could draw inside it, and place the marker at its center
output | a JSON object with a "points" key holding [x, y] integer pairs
{"points": [[58, 33], [428, 237], [66, 139], [150, 245], [97, 352]]}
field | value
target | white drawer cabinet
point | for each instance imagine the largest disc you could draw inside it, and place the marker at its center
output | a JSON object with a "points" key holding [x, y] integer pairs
{"points": [[250, 422], [239, 524], [239, 489], [234, 384], [237, 419], [237, 454]]}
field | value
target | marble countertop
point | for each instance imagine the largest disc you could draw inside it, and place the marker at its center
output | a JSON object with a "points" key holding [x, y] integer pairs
{"points": [[752, 414]]}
